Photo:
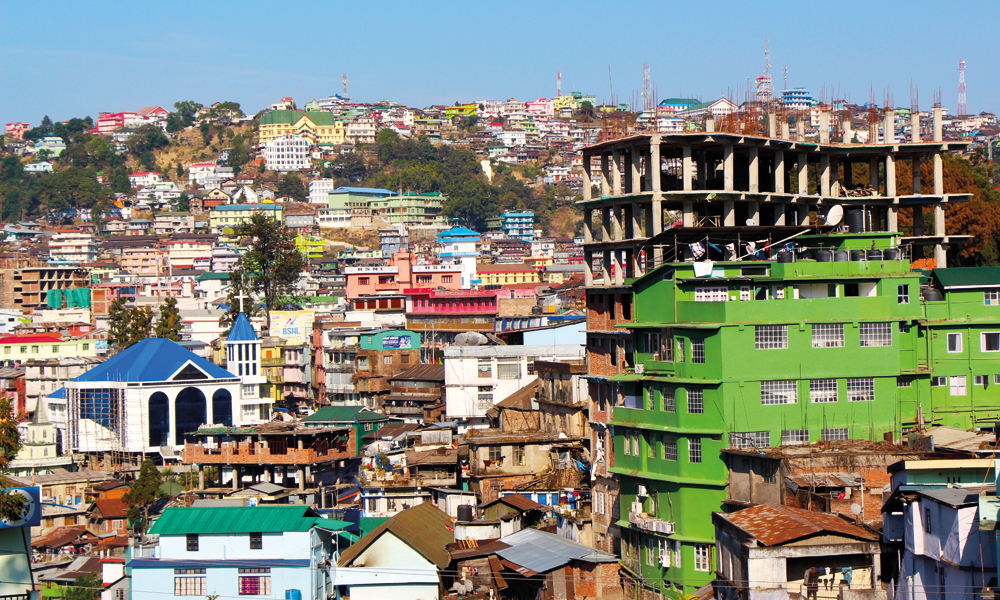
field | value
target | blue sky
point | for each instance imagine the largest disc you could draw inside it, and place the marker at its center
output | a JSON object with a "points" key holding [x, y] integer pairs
{"points": [[68, 59]]}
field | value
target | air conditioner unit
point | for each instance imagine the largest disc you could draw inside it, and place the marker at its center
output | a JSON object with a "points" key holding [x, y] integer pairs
{"points": [[637, 507], [665, 560], [665, 527], [641, 491], [638, 368]]}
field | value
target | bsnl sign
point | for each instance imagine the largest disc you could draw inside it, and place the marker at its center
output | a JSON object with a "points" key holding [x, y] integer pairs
{"points": [[295, 326]]}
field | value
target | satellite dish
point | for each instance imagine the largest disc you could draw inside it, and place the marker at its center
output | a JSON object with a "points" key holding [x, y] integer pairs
{"points": [[27, 510], [835, 215], [856, 509], [750, 223]]}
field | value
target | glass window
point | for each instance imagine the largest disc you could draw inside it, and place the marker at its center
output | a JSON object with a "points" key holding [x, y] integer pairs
{"points": [[669, 448], [770, 337], [876, 334], [189, 586], [828, 335], [860, 389], [979, 380], [256, 541], [694, 450], [750, 439], [991, 297], [192, 542], [255, 586], [485, 368], [791, 437], [954, 342], [519, 456], [778, 392], [957, 383], [904, 381], [903, 294], [991, 341], [822, 390], [696, 401], [830, 435], [669, 399], [508, 370], [713, 294], [698, 351], [702, 557]]}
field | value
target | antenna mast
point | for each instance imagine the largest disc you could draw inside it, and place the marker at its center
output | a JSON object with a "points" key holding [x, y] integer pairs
{"points": [[962, 108], [345, 84], [646, 95], [765, 88], [558, 84]]}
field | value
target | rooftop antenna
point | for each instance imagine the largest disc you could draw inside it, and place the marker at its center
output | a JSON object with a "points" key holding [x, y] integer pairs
{"points": [[558, 84], [646, 96], [962, 108], [345, 84], [784, 76]]}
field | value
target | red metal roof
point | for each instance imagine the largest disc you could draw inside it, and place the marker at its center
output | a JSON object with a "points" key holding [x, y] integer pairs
{"points": [[774, 524], [29, 338]]}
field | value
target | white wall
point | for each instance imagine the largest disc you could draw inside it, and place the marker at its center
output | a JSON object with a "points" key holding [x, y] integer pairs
{"points": [[290, 545]]}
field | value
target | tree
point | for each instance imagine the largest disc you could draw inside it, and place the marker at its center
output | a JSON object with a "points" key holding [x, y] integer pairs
{"points": [[84, 587], [118, 319], [186, 110], [174, 123], [168, 326], [271, 264], [139, 325], [183, 202], [237, 289], [46, 123], [144, 493], [206, 133], [291, 186], [11, 505]]}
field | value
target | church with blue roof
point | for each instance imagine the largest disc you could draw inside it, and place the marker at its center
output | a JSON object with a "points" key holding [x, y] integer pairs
{"points": [[155, 393]]}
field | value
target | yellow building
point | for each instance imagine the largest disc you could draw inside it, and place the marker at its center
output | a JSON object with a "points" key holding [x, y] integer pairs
{"points": [[232, 215], [323, 127], [309, 246], [19, 348], [272, 363], [461, 110], [506, 274]]}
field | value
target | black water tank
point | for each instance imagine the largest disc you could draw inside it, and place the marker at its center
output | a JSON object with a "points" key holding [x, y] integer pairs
{"points": [[891, 254], [855, 220], [857, 255], [465, 512], [874, 255], [785, 257], [824, 256], [840, 256], [931, 295]]}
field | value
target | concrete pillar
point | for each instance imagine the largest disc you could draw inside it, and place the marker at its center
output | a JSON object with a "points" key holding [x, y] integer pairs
{"points": [[800, 129], [588, 225], [892, 217], [915, 127], [889, 127], [605, 224], [727, 167], [616, 172], [835, 176], [236, 477], [779, 171], [918, 220], [300, 476], [616, 222], [605, 183], [848, 133], [754, 211], [940, 254], [635, 160], [688, 213], [587, 184], [201, 477], [779, 214], [824, 175], [709, 123], [702, 169], [803, 215], [654, 163], [616, 260], [627, 181], [729, 213], [686, 167], [915, 167], [938, 129], [588, 271], [824, 127], [938, 175], [654, 225], [634, 211], [890, 175], [606, 267], [784, 129], [802, 175], [754, 170], [873, 174], [772, 125]]}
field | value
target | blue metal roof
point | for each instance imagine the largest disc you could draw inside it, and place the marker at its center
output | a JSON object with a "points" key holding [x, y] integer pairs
{"points": [[247, 206], [363, 190], [153, 359], [541, 551], [242, 330], [458, 232]]}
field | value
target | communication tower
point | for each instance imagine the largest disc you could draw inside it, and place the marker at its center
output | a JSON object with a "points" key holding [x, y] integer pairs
{"points": [[962, 108], [345, 85], [765, 88], [558, 84]]}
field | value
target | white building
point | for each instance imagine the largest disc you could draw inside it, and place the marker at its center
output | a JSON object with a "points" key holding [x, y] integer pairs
{"points": [[72, 246], [144, 178], [197, 172], [319, 190], [478, 377], [42, 166], [516, 137], [333, 217], [287, 153]]}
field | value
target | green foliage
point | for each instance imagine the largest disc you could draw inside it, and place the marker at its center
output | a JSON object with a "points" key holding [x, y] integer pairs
{"points": [[146, 138], [237, 289], [168, 326], [271, 264], [128, 325], [291, 186], [350, 167], [206, 132], [239, 155], [11, 506], [184, 203], [145, 491], [185, 111], [174, 123], [86, 587]]}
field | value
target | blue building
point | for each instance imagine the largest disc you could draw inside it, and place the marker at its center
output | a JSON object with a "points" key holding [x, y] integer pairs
{"points": [[458, 246], [519, 224], [796, 99], [271, 551]]}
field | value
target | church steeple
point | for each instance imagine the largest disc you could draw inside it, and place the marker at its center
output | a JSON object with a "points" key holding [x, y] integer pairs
{"points": [[243, 354]]}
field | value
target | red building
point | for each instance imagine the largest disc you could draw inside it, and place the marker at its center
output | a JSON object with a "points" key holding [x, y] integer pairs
{"points": [[16, 130]]}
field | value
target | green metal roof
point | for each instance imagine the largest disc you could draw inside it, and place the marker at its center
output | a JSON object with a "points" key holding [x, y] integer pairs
{"points": [[334, 414], [213, 275], [234, 519], [369, 524], [967, 277]]}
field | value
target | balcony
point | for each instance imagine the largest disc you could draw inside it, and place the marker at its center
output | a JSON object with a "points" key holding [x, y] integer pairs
{"points": [[652, 524], [389, 286], [272, 362]]}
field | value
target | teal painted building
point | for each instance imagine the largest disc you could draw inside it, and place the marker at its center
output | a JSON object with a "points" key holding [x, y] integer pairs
{"points": [[745, 354]]}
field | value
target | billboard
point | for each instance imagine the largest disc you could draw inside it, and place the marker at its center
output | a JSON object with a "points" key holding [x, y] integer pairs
{"points": [[396, 342], [293, 325]]}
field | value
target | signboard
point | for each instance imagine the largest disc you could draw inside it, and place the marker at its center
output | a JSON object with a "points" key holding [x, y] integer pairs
{"points": [[293, 325], [396, 342]]}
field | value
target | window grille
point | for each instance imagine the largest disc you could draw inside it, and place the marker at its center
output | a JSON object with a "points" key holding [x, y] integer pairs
{"points": [[770, 337], [669, 399], [828, 335], [778, 392], [698, 351], [694, 450], [713, 294], [876, 334], [860, 389], [696, 401], [837, 434], [991, 297], [823, 390], [791, 437], [669, 448], [750, 439]]}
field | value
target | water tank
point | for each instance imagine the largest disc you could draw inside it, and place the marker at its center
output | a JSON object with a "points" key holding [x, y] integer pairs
{"points": [[874, 255], [785, 257], [293, 594], [857, 255], [465, 512], [824, 256], [931, 295], [855, 220], [891, 254], [840, 256]]}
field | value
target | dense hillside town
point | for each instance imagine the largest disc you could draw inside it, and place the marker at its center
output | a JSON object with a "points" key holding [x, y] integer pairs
{"points": [[526, 349]]}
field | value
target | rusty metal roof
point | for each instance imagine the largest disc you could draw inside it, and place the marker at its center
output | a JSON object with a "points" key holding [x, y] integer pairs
{"points": [[837, 479], [425, 528], [774, 524], [518, 501], [961, 440], [421, 373]]}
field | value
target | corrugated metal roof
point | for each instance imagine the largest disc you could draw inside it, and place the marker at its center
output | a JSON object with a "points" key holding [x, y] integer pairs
{"points": [[421, 373], [837, 479], [960, 440], [425, 528], [967, 277], [153, 359], [242, 330], [774, 524], [540, 551], [234, 519], [955, 497], [518, 501]]}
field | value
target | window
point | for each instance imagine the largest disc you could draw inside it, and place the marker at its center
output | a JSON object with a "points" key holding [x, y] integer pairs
{"points": [[991, 297], [694, 450], [876, 334], [696, 401], [979, 380], [386, 360], [822, 390], [832, 435], [627, 443], [34, 349], [255, 586], [669, 399], [651, 550], [680, 349], [55, 349], [957, 385], [669, 448], [601, 509], [485, 368], [531, 365], [828, 335], [903, 294], [702, 557], [519, 456], [256, 541], [939, 381], [364, 280], [714, 294], [860, 389], [750, 439], [792, 437], [954, 342], [996, 380], [192, 542], [24, 349], [652, 343], [904, 381], [446, 278], [508, 368], [698, 351], [189, 586], [770, 337], [495, 453], [991, 341], [927, 520], [486, 394], [778, 392], [746, 293]]}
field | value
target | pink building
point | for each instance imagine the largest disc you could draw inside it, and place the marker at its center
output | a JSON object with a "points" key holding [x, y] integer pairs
{"points": [[400, 274], [108, 122], [143, 261], [451, 302], [17, 130]]}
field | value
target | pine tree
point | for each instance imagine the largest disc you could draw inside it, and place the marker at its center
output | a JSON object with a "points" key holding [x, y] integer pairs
{"points": [[143, 494], [118, 321], [168, 326]]}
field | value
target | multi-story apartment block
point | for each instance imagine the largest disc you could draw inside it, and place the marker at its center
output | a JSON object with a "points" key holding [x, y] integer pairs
{"points": [[319, 191], [412, 210], [232, 215], [519, 224], [16, 130], [323, 127], [144, 261], [287, 153], [27, 288], [167, 223], [361, 131], [72, 246]]}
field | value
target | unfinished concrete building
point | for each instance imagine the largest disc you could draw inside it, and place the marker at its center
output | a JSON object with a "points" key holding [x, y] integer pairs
{"points": [[27, 287]]}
